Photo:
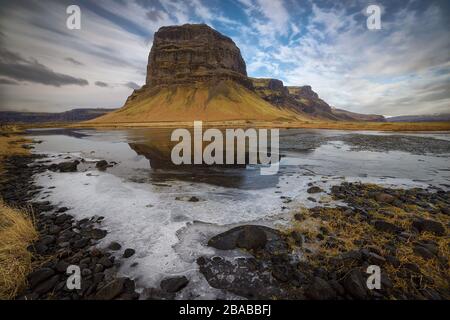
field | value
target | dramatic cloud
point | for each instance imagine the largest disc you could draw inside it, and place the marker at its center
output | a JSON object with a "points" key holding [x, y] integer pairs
{"points": [[404, 68], [8, 82], [132, 85], [74, 61], [13, 65], [101, 84]]}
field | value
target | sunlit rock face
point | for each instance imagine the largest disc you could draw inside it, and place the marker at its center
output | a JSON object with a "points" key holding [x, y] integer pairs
{"points": [[190, 54]]}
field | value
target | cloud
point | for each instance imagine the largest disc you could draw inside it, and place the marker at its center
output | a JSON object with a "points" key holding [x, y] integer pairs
{"points": [[132, 85], [13, 65], [8, 82], [154, 15], [74, 61], [101, 84]]}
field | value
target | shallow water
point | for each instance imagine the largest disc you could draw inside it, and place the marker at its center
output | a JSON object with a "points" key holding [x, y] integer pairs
{"points": [[144, 199]]}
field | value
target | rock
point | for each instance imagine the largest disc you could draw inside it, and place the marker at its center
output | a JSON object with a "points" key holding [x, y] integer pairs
{"points": [[69, 166], [114, 246], [98, 234], [47, 285], [385, 226], [61, 266], [314, 189], [38, 276], [102, 165], [422, 252], [297, 237], [157, 294], [98, 268], [81, 243], [128, 253], [54, 229], [320, 290], [194, 199], [192, 54], [62, 210], [174, 284], [384, 197], [251, 238], [412, 267], [63, 217], [106, 262], [424, 225], [375, 259], [40, 248], [355, 285], [114, 288], [47, 240]]}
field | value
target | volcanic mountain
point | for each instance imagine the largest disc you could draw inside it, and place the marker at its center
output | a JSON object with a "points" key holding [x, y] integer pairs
{"points": [[196, 73]]}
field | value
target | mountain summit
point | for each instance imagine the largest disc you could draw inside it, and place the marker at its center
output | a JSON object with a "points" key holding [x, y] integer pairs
{"points": [[196, 73]]}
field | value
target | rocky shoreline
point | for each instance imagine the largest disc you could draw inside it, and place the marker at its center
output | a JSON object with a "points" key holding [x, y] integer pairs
{"points": [[328, 250], [323, 255], [65, 241]]}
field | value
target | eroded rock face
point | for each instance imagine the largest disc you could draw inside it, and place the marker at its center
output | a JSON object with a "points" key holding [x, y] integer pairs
{"points": [[190, 54]]}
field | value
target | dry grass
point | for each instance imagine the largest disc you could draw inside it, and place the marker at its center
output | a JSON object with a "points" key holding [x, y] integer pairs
{"points": [[17, 232], [354, 232]]}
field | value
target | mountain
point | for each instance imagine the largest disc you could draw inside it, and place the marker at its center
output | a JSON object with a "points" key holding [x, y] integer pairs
{"points": [[196, 73], [73, 115], [438, 117]]}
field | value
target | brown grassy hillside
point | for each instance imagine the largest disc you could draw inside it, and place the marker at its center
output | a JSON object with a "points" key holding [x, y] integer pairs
{"points": [[225, 100]]}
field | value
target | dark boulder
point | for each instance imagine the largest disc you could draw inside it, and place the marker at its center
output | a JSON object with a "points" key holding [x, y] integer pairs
{"points": [[174, 284], [424, 225]]}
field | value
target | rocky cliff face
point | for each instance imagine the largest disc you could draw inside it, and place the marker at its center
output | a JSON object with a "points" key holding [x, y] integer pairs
{"points": [[301, 99], [196, 73], [191, 54]]}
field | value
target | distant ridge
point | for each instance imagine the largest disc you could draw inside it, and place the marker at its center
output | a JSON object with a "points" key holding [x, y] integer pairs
{"points": [[73, 115], [438, 117]]}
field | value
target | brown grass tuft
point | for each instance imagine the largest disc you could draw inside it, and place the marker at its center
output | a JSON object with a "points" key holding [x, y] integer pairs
{"points": [[17, 232]]}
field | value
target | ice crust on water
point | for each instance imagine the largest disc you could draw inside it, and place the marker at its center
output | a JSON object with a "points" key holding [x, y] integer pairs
{"points": [[167, 234], [164, 235]]}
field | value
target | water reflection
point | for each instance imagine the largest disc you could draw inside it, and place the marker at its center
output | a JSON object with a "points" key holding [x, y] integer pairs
{"points": [[156, 146]]}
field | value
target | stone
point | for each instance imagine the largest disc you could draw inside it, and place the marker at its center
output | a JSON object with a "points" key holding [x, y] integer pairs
{"points": [[61, 266], [384, 197], [98, 234], [114, 246], [83, 242], [424, 225], [128, 253], [38, 276], [355, 285], [48, 239], [106, 262], [174, 284], [114, 288], [422, 252], [314, 189], [385, 226], [102, 165], [251, 238], [320, 290], [47, 285]]}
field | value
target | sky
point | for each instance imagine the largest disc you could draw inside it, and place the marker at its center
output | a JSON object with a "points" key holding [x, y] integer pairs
{"points": [[402, 68]]}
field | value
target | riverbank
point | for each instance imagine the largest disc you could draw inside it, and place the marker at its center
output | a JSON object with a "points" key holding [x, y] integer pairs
{"points": [[331, 125], [320, 253], [330, 252], [47, 241]]}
